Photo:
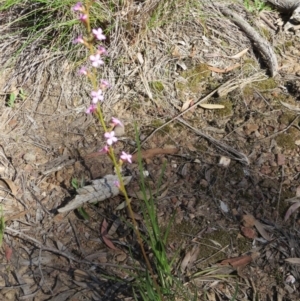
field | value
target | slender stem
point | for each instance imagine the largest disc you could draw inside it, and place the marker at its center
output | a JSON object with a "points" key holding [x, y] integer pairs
{"points": [[93, 78]]}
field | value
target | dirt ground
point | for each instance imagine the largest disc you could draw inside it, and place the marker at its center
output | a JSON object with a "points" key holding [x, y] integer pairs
{"points": [[230, 174]]}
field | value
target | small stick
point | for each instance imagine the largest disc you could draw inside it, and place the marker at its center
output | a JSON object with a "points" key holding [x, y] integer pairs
{"points": [[182, 113]]}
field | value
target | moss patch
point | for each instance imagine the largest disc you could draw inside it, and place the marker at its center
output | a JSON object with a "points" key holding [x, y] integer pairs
{"points": [[287, 140], [194, 80], [157, 86], [227, 111], [178, 232]]}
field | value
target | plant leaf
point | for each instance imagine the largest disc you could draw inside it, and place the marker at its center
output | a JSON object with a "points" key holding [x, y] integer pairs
{"points": [[211, 106]]}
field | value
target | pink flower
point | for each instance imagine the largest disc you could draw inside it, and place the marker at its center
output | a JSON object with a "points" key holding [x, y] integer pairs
{"points": [[79, 39], [110, 137], [97, 95], [104, 84], [117, 183], [116, 121], [96, 60], [83, 17], [83, 70], [91, 109], [126, 157], [101, 50], [78, 7], [104, 149], [99, 34]]}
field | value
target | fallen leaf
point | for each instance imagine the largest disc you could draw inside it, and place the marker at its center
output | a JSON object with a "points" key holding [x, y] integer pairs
{"points": [[8, 252], [291, 107], [240, 54], [10, 184], [218, 70], [260, 228], [189, 258], [248, 232], [291, 210], [224, 207], [211, 106], [106, 240], [293, 260], [235, 262], [186, 105]]}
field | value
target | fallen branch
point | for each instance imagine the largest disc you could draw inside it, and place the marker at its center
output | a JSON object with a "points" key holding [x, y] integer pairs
{"points": [[263, 46]]}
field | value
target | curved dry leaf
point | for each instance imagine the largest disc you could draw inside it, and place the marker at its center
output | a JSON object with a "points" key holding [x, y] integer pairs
{"points": [[291, 210], [290, 107], [240, 54], [211, 106], [11, 185], [293, 260], [106, 240], [227, 69], [235, 262], [260, 228], [186, 105]]}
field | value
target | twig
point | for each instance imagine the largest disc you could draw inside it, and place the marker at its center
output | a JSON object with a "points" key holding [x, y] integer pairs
{"points": [[76, 237], [221, 145], [282, 131], [14, 232], [280, 191], [182, 113]]}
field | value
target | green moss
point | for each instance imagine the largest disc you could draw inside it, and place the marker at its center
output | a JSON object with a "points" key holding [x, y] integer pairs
{"points": [[178, 232], [287, 139], [267, 84], [193, 79], [264, 85], [288, 44], [286, 118], [157, 86], [227, 111], [243, 244], [156, 123], [223, 238], [266, 33], [248, 66]]}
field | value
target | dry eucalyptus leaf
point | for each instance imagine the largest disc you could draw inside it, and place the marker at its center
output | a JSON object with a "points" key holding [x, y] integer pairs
{"points": [[290, 107], [293, 260], [98, 191], [240, 54], [211, 106], [186, 105]]}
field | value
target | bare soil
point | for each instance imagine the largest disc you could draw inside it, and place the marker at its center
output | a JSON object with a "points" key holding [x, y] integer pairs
{"points": [[228, 182]]}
